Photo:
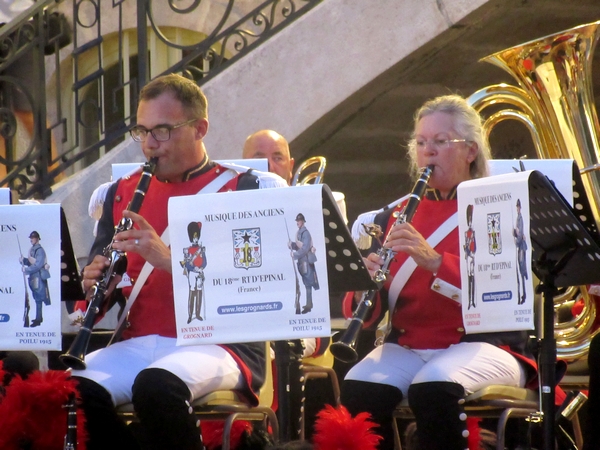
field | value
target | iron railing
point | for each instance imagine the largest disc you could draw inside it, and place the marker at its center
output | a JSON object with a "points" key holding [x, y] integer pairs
{"points": [[70, 73]]}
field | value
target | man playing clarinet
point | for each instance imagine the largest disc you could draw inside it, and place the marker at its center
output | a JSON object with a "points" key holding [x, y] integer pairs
{"points": [[146, 367]]}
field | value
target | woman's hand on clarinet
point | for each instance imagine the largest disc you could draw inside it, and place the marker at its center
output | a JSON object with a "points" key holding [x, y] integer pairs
{"points": [[373, 263], [143, 240], [404, 238]]}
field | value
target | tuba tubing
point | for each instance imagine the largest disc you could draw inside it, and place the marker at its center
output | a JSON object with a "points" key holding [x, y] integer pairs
{"points": [[555, 101], [315, 177], [345, 348], [74, 358]]}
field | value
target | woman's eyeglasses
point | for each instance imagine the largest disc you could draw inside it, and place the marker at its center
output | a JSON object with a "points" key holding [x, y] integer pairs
{"points": [[438, 144]]}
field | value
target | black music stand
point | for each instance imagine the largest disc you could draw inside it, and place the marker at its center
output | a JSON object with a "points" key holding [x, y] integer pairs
{"points": [[345, 272], [566, 252], [71, 282]]}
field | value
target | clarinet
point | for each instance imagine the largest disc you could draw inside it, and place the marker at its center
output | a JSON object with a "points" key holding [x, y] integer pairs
{"points": [[71, 434], [345, 348], [74, 358]]}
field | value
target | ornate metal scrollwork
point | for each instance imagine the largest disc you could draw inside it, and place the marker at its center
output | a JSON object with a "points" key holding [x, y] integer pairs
{"points": [[98, 120]]}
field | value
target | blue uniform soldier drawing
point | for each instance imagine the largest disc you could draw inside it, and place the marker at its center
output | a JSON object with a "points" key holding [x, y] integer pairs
{"points": [[521, 254], [304, 254], [194, 262], [36, 268]]}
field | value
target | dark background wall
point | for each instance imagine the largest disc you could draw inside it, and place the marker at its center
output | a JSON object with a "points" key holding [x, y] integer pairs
{"points": [[364, 137]]}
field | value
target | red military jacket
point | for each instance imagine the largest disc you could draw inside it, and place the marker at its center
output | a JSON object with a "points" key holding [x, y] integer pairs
{"points": [[427, 313]]}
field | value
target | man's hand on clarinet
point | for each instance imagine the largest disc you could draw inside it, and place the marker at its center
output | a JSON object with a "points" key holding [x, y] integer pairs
{"points": [[94, 271], [143, 240]]}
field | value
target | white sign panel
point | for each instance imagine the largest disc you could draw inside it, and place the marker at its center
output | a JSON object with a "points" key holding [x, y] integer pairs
{"points": [[30, 273], [496, 276], [559, 171], [4, 196], [249, 266]]}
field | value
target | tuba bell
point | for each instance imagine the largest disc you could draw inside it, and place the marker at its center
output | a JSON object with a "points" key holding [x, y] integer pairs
{"points": [[554, 100]]}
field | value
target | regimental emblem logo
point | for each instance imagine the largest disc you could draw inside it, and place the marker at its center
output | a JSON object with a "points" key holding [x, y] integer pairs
{"points": [[247, 248], [493, 230]]}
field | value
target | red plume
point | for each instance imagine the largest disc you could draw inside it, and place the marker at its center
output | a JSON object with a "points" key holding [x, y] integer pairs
{"points": [[32, 412], [212, 433], [336, 429], [474, 439], [2, 373]]}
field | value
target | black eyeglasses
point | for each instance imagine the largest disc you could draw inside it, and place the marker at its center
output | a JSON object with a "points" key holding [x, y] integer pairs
{"points": [[161, 133]]}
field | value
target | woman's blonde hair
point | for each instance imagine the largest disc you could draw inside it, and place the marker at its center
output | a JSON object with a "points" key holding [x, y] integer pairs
{"points": [[467, 124]]}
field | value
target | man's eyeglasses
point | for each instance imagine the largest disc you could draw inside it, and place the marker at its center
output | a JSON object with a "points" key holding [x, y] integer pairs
{"points": [[439, 144], [161, 133]]}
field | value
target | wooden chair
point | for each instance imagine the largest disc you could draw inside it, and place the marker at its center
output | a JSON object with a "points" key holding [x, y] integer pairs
{"points": [[229, 406], [500, 402]]}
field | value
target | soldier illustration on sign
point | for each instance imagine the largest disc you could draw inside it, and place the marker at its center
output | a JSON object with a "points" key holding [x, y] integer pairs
{"points": [[521, 252], [304, 253], [194, 262], [36, 268], [470, 247]]}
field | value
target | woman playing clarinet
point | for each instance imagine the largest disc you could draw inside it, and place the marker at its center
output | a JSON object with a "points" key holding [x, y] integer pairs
{"points": [[425, 355]]}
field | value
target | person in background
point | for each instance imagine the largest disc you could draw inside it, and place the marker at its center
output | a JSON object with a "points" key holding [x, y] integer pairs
{"points": [[273, 146], [146, 367], [426, 355]]}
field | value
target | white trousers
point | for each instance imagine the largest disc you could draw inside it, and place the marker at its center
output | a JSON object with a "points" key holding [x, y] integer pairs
{"points": [[203, 368], [474, 365]]}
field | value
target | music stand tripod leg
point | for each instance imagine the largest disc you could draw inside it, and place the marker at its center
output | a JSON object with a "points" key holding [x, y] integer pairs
{"points": [[547, 270], [547, 363]]}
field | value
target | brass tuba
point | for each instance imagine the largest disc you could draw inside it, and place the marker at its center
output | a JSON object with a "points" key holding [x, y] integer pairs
{"points": [[555, 102]]}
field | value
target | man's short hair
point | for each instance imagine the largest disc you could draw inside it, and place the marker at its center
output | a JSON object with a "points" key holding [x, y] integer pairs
{"points": [[183, 89]]}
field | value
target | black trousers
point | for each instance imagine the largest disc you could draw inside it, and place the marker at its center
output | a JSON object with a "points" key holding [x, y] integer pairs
{"points": [[437, 407], [161, 402], [591, 439]]}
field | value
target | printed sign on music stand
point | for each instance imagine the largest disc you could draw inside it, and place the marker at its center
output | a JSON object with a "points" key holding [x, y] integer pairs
{"points": [[249, 265], [30, 277], [497, 293]]}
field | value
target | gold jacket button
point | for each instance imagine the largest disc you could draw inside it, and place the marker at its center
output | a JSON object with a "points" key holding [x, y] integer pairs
{"points": [[460, 329], [402, 331], [436, 287], [455, 297], [118, 198]]}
